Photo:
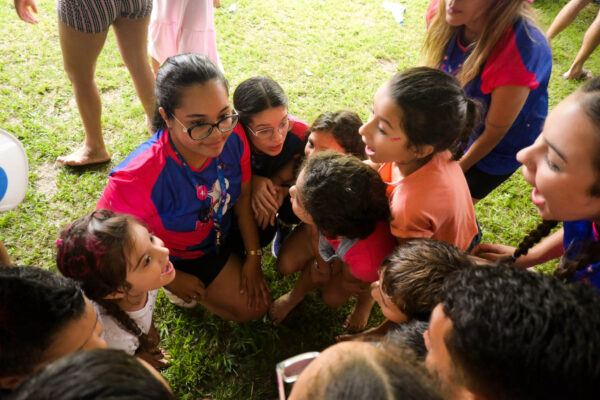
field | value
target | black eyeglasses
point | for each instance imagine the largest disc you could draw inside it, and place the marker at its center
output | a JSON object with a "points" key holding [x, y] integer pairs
{"points": [[205, 129]]}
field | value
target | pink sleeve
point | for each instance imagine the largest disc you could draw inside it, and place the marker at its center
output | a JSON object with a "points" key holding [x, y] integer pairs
{"points": [[299, 127], [362, 263], [123, 194], [245, 161], [505, 66]]}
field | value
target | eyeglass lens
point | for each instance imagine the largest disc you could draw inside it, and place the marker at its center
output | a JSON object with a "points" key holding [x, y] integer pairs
{"points": [[202, 131]]}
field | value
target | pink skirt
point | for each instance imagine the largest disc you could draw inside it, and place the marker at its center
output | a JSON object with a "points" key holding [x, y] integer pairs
{"points": [[182, 26]]}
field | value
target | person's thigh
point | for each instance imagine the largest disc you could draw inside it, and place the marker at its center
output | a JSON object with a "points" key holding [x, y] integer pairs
{"points": [[296, 251], [80, 51], [90, 16], [223, 295]]}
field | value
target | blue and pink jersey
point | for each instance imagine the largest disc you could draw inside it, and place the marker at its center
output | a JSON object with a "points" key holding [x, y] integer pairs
{"points": [[576, 233], [153, 185], [521, 57]]}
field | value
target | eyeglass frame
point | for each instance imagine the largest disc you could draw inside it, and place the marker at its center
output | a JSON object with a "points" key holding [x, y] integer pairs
{"points": [[289, 123], [282, 365], [212, 126]]}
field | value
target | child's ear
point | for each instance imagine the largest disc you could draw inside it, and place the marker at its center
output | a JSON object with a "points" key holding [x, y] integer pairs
{"points": [[423, 151], [114, 295]]}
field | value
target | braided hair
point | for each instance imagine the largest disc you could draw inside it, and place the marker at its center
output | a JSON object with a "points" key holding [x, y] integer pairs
{"points": [[93, 250], [540, 231]]}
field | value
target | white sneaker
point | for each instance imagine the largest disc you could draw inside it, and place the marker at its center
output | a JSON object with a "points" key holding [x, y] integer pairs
{"points": [[178, 301]]}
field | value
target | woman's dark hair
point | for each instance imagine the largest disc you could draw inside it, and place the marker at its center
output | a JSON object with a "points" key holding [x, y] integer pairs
{"points": [[178, 73], [343, 195], [409, 334], [435, 109], [99, 374], [413, 275], [343, 125], [93, 250], [588, 97], [256, 95], [35, 305]]}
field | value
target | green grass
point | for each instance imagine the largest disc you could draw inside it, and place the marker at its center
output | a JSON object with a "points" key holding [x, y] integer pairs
{"points": [[326, 55]]}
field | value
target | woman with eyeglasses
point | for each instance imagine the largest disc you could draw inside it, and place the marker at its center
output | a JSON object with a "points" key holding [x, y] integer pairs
{"points": [[186, 182], [276, 141]]}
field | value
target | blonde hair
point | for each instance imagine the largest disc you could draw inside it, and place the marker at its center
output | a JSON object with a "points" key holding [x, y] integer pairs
{"points": [[503, 13]]}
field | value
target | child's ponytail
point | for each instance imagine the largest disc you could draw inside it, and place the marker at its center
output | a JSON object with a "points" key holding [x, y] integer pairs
{"points": [[471, 120], [540, 231], [127, 323]]}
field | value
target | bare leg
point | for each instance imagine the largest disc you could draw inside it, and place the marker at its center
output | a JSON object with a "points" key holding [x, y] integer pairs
{"points": [[565, 17], [296, 251], [591, 40], [373, 334], [80, 52], [358, 318], [4, 259], [223, 296], [286, 303], [155, 65], [132, 39]]}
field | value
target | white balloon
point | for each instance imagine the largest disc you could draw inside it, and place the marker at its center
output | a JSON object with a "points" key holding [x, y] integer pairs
{"points": [[14, 171]]}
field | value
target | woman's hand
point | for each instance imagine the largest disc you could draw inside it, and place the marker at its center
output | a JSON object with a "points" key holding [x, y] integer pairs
{"points": [[187, 287], [24, 9], [253, 283]]}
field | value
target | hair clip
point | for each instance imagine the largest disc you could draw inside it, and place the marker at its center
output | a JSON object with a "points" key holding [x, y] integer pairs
{"points": [[58, 242]]}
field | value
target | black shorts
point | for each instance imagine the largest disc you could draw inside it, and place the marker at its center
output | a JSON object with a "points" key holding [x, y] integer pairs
{"points": [[209, 266], [481, 183]]}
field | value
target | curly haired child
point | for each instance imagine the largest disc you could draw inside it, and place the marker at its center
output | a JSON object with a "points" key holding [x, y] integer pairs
{"points": [[345, 200], [120, 266]]}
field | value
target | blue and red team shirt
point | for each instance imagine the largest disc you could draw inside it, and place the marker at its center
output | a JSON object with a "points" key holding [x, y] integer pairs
{"points": [[575, 233], [293, 147], [522, 57], [152, 184]]}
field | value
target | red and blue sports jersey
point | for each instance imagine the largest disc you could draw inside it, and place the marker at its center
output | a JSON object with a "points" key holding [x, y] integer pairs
{"points": [[153, 184], [576, 233], [522, 57], [293, 146]]}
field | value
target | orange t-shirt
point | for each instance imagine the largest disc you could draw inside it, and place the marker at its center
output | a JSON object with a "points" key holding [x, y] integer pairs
{"points": [[432, 202]]}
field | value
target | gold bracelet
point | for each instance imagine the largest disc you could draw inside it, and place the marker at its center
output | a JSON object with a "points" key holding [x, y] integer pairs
{"points": [[254, 252]]}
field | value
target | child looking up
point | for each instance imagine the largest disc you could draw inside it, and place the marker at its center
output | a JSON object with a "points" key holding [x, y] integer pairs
{"points": [[120, 266], [345, 200], [416, 154]]}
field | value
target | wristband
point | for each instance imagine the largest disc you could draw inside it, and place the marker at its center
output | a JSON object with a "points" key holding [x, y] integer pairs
{"points": [[258, 252]]}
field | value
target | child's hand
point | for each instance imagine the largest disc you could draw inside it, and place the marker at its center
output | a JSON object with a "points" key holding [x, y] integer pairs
{"points": [[493, 252], [264, 197], [187, 287], [254, 284], [24, 9]]}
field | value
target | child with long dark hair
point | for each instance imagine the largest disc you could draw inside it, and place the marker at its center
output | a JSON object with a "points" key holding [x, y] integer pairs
{"points": [[120, 266], [420, 125]]}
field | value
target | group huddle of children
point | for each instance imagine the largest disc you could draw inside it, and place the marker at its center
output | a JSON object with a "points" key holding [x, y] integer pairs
{"points": [[380, 211]]}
